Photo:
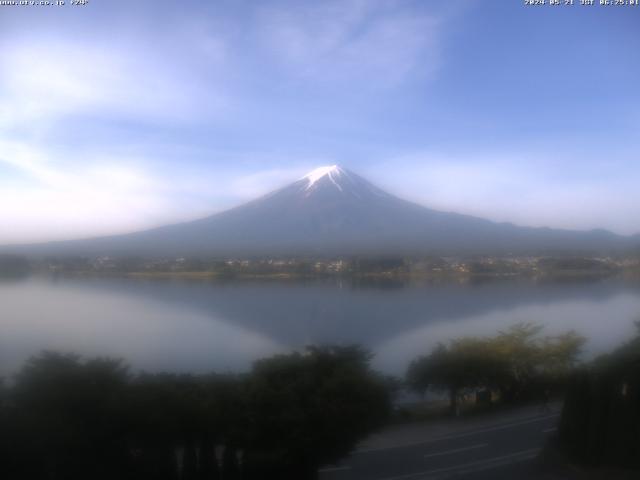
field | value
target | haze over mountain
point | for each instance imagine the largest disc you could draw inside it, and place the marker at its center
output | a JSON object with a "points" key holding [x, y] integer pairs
{"points": [[332, 211]]}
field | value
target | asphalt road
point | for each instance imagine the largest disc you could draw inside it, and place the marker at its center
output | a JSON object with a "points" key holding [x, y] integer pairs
{"points": [[499, 446]]}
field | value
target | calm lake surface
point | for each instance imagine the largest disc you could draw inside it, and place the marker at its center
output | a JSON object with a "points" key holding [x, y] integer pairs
{"points": [[200, 326]]}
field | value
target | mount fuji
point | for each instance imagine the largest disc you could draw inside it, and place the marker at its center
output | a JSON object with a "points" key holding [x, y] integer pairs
{"points": [[333, 211]]}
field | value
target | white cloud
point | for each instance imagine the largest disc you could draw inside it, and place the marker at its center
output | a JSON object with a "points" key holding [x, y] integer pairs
{"points": [[106, 79], [55, 196], [344, 41], [515, 188], [69, 98], [249, 186], [52, 202]]}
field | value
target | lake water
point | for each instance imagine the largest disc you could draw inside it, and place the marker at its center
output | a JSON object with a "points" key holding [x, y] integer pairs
{"points": [[200, 326]]}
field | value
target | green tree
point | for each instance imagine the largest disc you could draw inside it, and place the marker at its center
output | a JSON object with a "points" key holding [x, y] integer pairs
{"points": [[68, 417], [518, 362], [519, 348], [310, 408], [463, 363], [600, 418], [560, 354]]}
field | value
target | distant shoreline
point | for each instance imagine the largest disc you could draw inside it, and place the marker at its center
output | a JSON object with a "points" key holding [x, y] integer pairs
{"points": [[404, 277], [382, 269]]}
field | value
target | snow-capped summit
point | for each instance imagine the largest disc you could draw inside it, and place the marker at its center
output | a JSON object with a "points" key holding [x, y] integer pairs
{"points": [[332, 180], [332, 172]]}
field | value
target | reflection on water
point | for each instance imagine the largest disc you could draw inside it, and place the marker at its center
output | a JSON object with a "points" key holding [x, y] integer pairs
{"points": [[200, 326]]}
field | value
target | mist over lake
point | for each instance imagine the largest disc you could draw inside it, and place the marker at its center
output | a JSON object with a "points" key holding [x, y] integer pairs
{"points": [[199, 326]]}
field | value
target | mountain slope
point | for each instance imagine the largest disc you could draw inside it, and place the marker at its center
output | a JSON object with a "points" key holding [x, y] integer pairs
{"points": [[334, 211]]}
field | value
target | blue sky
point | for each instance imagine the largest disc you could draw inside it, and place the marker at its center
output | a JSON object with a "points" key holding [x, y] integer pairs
{"points": [[122, 115]]}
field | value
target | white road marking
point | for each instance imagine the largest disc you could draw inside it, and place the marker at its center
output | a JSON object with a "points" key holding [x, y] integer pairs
{"points": [[456, 450], [460, 435], [334, 469], [486, 464]]}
